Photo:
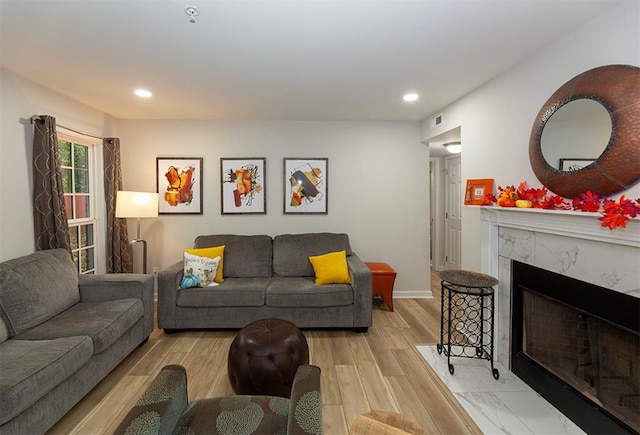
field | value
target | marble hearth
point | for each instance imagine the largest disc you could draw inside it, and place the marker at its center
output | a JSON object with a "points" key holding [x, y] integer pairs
{"points": [[565, 242]]}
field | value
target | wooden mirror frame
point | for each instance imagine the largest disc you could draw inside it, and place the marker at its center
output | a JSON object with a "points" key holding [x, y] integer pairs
{"points": [[617, 88]]}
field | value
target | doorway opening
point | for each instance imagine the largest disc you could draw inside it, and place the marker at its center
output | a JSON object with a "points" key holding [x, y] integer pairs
{"points": [[445, 202]]}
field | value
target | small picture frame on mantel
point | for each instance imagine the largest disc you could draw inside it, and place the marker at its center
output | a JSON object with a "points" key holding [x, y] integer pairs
{"points": [[476, 190]]}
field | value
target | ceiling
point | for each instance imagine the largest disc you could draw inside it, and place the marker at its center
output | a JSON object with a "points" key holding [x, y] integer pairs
{"points": [[286, 60]]}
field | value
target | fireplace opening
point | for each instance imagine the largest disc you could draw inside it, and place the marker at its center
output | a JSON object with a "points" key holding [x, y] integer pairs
{"points": [[577, 344]]}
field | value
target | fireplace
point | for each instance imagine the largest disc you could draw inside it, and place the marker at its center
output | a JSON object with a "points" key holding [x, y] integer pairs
{"points": [[571, 245], [579, 353]]}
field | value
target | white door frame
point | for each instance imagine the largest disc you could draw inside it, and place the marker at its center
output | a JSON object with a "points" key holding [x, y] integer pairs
{"points": [[437, 214]]}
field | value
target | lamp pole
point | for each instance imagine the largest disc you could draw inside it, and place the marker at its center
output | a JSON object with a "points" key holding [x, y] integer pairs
{"points": [[144, 248]]}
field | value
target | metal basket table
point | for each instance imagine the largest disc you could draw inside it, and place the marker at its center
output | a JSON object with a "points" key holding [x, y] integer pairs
{"points": [[467, 316]]}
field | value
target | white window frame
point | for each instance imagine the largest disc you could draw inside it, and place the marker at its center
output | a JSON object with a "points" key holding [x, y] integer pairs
{"points": [[96, 195]]}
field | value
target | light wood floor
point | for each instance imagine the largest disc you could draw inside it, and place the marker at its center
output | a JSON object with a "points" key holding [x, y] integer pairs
{"points": [[378, 370]]}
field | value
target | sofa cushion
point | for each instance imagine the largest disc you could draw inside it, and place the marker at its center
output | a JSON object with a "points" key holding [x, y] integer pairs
{"points": [[32, 368], [36, 287], [104, 322], [244, 256], [303, 292], [291, 252], [233, 292], [235, 415]]}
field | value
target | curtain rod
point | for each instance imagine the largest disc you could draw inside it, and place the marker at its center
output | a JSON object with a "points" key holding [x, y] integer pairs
{"points": [[38, 118]]}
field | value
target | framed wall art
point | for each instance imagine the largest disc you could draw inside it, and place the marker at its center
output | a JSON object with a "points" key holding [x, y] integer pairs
{"points": [[476, 190], [571, 165], [306, 185], [179, 185], [242, 185]]}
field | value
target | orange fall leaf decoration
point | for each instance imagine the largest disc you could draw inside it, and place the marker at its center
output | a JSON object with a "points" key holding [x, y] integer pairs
{"points": [[614, 213]]}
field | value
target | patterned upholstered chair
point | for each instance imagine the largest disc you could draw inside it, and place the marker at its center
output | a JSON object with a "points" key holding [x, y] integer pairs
{"points": [[164, 409]]}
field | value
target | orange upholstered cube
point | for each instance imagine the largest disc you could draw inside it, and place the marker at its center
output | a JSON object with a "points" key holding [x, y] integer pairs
{"points": [[383, 279]]}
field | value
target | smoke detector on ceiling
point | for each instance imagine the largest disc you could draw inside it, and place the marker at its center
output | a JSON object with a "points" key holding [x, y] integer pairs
{"points": [[192, 12]]}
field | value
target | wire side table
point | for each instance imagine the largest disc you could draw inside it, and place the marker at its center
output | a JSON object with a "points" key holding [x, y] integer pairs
{"points": [[467, 316]]}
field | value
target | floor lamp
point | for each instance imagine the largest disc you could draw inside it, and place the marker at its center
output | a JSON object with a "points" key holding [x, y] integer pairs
{"points": [[137, 205]]}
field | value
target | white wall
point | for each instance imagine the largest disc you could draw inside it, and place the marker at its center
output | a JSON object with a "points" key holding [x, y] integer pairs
{"points": [[496, 119], [22, 99], [377, 185], [378, 172], [378, 178]]}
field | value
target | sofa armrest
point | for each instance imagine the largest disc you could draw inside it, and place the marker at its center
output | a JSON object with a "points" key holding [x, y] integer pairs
{"points": [[160, 406], [305, 405], [169, 280], [109, 287], [362, 282]]}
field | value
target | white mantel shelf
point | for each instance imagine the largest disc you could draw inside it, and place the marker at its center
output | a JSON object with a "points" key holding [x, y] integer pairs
{"points": [[582, 225]]}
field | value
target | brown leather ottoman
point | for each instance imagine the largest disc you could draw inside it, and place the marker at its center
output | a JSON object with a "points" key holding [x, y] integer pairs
{"points": [[264, 357]]}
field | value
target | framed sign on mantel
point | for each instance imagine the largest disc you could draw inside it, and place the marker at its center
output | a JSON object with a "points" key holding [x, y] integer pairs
{"points": [[306, 185], [242, 185], [179, 185], [476, 190]]}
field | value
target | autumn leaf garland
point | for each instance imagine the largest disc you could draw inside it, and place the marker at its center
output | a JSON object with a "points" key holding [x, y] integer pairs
{"points": [[614, 213]]}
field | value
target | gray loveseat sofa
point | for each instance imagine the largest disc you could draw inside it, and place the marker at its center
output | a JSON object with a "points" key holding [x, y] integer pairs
{"points": [[61, 333], [267, 277]]}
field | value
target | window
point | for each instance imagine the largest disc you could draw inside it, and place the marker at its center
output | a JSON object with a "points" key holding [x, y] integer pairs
{"points": [[77, 175]]}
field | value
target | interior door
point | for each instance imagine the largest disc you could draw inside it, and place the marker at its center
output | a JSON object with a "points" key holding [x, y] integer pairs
{"points": [[453, 213]]}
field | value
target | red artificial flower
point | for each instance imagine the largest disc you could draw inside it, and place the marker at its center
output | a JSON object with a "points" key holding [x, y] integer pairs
{"points": [[628, 207], [588, 201], [616, 214], [524, 192], [538, 195], [559, 202], [613, 220], [488, 199]]}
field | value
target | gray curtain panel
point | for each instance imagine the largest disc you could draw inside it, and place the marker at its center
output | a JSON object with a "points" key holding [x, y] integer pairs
{"points": [[118, 255], [50, 225]]}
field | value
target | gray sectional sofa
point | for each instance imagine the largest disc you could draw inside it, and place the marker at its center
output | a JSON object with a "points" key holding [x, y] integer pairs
{"points": [[268, 277], [61, 333]]}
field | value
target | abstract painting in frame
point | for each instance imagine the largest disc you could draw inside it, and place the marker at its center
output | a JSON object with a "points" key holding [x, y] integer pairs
{"points": [[306, 185], [242, 185], [179, 185]]}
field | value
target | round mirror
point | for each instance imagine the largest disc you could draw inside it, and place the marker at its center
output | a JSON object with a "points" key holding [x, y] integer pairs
{"points": [[567, 163], [576, 135]]}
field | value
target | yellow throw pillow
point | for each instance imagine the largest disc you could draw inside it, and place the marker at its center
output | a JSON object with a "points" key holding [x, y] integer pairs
{"points": [[213, 252], [331, 268]]}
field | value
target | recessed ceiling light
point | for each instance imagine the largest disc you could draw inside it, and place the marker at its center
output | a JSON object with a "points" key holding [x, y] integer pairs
{"points": [[410, 97], [143, 93]]}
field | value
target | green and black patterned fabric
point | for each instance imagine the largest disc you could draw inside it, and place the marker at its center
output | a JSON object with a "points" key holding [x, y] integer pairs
{"points": [[164, 409]]}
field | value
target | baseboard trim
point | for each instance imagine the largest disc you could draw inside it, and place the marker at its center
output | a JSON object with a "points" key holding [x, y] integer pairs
{"points": [[412, 294]]}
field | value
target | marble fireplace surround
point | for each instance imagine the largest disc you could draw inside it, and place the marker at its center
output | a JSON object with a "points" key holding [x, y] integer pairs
{"points": [[565, 242]]}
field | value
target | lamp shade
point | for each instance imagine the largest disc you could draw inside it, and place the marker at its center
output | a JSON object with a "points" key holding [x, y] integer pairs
{"points": [[136, 204]]}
